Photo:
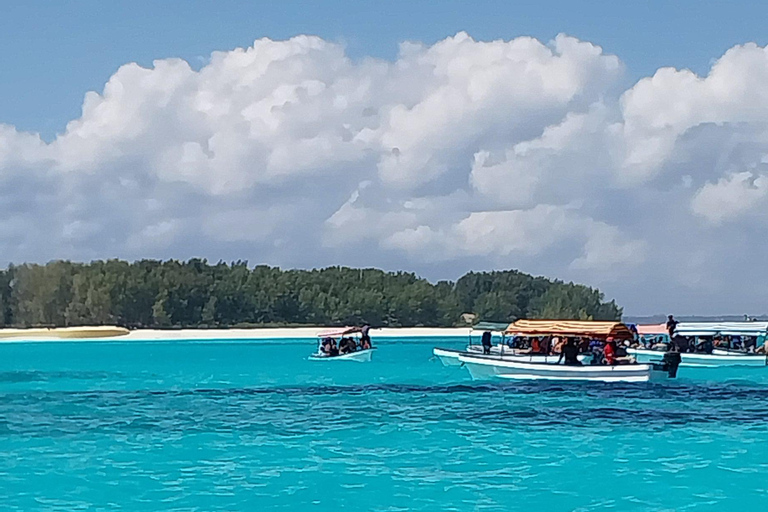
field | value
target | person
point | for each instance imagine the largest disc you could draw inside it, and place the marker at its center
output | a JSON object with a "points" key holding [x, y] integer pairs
{"points": [[344, 346], [705, 345], [545, 346], [570, 352], [333, 350], [365, 336], [609, 352], [596, 348], [671, 326], [325, 346], [557, 345], [486, 342], [365, 343]]}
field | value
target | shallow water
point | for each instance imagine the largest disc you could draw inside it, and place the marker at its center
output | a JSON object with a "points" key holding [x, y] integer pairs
{"points": [[256, 426]]}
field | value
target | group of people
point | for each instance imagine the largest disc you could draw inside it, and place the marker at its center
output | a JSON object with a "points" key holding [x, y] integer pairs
{"points": [[346, 345], [569, 349]]}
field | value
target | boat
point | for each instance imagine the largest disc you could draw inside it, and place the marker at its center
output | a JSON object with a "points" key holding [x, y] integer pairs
{"points": [[540, 367], [698, 331], [359, 356], [486, 367]]}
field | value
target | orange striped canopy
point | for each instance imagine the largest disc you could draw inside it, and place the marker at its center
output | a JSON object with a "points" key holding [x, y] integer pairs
{"points": [[599, 330]]}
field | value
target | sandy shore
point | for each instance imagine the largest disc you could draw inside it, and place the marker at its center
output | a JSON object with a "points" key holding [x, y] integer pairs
{"points": [[254, 334]]}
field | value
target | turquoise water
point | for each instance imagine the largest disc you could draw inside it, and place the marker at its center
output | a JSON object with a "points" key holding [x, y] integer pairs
{"points": [[221, 426]]}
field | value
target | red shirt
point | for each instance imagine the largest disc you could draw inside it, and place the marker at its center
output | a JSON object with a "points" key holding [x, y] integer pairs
{"points": [[609, 353]]}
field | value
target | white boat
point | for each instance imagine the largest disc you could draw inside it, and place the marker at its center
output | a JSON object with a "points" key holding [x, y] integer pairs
{"points": [[720, 356], [490, 367], [360, 356], [450, 357], [717, 358]]}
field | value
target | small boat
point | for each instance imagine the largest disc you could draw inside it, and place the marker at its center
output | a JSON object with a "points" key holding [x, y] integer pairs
{"points": [[358, 355], [699, 332], [546, 367], [702, 360]]}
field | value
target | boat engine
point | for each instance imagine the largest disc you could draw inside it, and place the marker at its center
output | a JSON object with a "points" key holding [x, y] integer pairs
{"points": [[671, 362]]}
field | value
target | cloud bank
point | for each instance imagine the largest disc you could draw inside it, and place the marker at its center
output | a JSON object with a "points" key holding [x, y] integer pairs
{"points": [[456, 156]]}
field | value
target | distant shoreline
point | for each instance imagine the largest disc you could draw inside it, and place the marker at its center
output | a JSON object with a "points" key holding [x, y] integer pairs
{"points": [[250, 334]]}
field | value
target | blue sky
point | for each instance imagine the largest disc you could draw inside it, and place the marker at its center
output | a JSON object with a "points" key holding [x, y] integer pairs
{"points": [[495, 144], [53, 52]]}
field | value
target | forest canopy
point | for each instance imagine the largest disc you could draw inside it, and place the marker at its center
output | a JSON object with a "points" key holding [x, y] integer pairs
{"points": [[167, 294]]}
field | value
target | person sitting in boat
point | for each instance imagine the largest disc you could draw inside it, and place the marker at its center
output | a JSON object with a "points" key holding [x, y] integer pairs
{"points": [[486, 342], [557, 345], [346, 346], [365, 343], [570, 352], [705, 345], [611, 353], [333, 350], [545, 346], [325, 346]]}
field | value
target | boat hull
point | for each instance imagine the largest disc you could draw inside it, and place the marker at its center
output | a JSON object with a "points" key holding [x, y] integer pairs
{"points": [[360, 356], [481, 368], [451, 357], [713, 360]]}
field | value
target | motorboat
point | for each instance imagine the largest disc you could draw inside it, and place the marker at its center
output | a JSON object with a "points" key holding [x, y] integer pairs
{"points": [[546, 367], [358, 355], [698, 332]]}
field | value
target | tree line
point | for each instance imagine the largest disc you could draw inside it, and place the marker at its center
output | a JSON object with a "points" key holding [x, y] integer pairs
{"points": [[194, 293]]}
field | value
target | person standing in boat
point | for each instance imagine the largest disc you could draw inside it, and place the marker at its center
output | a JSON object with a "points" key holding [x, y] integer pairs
{"points": [[486, 342], [570, 352], [365, 338], [671, 326]]}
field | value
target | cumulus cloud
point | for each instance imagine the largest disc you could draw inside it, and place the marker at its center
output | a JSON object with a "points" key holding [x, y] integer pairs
{"points": [[460, 155]]}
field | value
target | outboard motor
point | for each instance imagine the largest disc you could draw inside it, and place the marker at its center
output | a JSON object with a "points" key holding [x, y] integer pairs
{"points": [[671, 363]]}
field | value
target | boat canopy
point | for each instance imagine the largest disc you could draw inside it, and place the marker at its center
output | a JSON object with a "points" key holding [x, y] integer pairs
{"points": [[341, 331], [654, 329], [723, 328], [491, 326], [600, 330]]}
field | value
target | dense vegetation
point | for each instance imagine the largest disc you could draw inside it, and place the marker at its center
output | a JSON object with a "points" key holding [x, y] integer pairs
{"points": [[151, 293]]}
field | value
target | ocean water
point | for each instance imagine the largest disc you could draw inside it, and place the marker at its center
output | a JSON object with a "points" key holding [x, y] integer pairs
{"points": [[222, 426]]}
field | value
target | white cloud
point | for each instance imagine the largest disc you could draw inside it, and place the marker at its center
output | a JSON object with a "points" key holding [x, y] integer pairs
{"points": [[463, 154], [731, 197]]}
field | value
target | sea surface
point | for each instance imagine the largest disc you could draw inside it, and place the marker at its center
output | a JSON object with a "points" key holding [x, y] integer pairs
{"points": [[255, 425]]}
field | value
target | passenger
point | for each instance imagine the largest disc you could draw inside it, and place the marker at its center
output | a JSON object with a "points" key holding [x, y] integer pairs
{"points": [[609, 352], [333, 350], [486, 342], [365, 343], [705, 346], [545, 347], [596, 348], [535, 346], [570, 352], [750, 343], [557, 345]]}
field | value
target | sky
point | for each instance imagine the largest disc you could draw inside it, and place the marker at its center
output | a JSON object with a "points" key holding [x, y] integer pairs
{"points": [[619, 144]]}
